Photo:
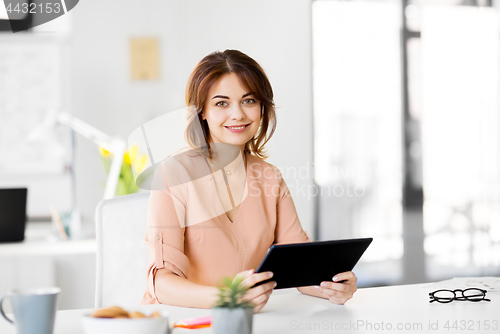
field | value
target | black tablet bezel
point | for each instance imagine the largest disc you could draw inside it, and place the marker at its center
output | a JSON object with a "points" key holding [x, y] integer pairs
{"points": [[305, 264]]}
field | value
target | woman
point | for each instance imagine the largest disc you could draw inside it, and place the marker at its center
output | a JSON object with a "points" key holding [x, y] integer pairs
{"points": [[221, 205]]}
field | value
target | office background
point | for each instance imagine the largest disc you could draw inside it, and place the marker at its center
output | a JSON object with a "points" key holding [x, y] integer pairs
{"points": [[382, 132]]}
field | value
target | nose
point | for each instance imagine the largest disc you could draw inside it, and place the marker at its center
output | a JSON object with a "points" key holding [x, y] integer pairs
{"points": [[237, 113]]}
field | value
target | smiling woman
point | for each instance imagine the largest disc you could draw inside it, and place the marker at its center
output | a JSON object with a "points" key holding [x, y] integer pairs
{"points": [[248, 87], [212, 214], [233, 118]]}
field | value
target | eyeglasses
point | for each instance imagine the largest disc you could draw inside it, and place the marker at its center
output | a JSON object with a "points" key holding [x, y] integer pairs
{"points": [[447, 296]]}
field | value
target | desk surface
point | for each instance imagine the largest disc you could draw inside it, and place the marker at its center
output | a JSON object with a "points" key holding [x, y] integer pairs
{"points": [[38, 241], [398, 309]]}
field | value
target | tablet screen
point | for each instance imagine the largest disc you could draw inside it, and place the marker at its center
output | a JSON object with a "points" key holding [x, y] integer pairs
{"points": [[311, 263]]}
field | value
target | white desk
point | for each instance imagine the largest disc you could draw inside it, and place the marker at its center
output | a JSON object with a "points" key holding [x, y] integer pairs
{"points": [[37, 242], [289, 311]]}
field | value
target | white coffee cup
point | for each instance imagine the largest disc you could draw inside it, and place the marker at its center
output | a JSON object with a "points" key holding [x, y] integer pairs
{"points": [[34, 309]]}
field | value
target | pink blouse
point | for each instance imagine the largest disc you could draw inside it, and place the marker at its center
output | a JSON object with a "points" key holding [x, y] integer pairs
{"points": [[206, 249]]}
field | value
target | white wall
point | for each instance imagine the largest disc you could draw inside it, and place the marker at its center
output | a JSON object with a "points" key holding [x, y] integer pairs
{"points": [[277, 33]]}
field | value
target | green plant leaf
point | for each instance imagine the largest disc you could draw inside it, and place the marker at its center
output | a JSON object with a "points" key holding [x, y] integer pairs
{"points": [[231, 292]]}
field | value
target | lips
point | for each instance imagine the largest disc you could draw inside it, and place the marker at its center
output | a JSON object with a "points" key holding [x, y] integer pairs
{"points": [[237, 128]]}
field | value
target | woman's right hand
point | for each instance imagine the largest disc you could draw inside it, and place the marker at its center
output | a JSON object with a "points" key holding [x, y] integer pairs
{"points": [[258, 295]]}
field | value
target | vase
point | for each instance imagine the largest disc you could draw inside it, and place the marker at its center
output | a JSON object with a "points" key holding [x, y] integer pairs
{"points": [[230, 321]]}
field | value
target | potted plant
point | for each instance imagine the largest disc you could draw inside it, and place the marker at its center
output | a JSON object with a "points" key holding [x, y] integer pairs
{"points": [[232, 314], [133, 164]]}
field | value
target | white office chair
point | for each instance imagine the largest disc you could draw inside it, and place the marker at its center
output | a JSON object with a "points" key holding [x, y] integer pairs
{"points": [[122, 254]]}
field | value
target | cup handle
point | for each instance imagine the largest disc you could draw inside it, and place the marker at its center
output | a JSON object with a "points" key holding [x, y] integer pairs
{"points": [[2, 312]]}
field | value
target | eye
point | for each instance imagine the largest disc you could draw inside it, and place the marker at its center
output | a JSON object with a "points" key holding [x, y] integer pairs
{"points": [[249, 101], [221, 104]]}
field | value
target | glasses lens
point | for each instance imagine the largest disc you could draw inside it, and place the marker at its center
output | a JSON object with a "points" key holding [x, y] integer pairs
{"points": [[473, 294], [444, 295]]}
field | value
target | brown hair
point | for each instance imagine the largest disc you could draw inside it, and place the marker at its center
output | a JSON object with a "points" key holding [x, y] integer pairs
{"points": [[208, 71]]}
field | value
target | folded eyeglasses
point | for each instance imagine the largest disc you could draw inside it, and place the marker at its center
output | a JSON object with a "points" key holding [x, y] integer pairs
{"points": [[447, 296]]}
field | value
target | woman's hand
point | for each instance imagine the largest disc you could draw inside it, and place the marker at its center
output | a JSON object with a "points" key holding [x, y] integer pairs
{"points": [[339, 293], [258, 295]]}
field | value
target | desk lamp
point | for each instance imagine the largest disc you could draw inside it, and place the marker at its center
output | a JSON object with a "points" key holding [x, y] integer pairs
{"points": [[115, 145]]}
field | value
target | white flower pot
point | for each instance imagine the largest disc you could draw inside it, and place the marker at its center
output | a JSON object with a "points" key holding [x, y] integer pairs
{"points": [[230, 321]]}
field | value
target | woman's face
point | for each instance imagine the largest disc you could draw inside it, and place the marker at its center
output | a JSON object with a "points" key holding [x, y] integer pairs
{"points": [[232, 112]]}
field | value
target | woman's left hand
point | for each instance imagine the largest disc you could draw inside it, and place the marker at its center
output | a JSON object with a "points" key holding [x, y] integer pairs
{"points": [[339, 293]]}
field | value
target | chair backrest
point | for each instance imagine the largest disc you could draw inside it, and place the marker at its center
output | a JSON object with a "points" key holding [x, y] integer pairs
{"points": [[122, 254]]}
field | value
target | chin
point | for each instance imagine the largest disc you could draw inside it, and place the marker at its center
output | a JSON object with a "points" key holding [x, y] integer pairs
{"points": [[236, 143]]}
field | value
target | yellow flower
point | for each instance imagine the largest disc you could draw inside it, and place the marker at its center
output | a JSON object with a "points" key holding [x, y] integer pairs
{"points": [[133, 153], [141, 163], [133, 159], [126, 158], [133, 165], [104, 153]]}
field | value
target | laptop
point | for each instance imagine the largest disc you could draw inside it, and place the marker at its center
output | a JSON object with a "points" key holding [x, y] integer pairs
{"points": [[12, 214]]}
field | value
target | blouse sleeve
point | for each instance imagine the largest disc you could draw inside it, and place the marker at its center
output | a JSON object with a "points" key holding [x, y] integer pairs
{"points": [[165, 223], [288, 227]]}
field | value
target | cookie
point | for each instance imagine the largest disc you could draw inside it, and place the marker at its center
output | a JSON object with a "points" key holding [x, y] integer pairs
{"points": [[137, 315], [155, 314], [110, 312]]}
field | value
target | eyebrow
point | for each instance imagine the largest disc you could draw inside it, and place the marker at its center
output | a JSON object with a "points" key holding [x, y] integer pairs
{"points": [[227, 98]]}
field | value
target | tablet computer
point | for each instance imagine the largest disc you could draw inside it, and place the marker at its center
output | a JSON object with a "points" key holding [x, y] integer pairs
{"points": [[311, 263]]}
